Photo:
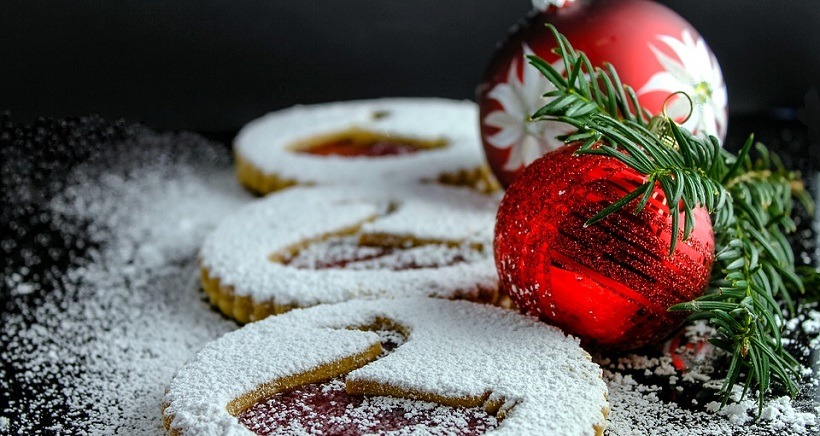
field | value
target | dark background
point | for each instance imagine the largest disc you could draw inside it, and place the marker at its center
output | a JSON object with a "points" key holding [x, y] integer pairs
{"points": [[212, 66]]}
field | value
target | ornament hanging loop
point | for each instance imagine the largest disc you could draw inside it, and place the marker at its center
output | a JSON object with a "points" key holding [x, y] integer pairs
{"points": [[661, 125], [688, 99]]}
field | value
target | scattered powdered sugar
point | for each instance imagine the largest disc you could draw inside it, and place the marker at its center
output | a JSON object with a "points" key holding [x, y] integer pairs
{"points": [[777, 414], [18, 286], [810, 324], [650, 396], [103, 343], [638, 409], [92, 347]]}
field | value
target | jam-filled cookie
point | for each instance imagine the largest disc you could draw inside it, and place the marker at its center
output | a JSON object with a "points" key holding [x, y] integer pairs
{"points": [[369, 141], [526, 377], [310, 245]]}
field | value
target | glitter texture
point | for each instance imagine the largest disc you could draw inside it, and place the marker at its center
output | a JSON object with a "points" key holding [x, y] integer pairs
{"points": [[609, 283]]}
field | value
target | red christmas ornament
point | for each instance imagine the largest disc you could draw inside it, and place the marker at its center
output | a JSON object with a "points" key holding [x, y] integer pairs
{"points": [[655, 51], [612, 282]]}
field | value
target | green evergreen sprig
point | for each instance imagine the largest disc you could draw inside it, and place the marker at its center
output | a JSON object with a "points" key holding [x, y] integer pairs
{"points": [[749, 199]]}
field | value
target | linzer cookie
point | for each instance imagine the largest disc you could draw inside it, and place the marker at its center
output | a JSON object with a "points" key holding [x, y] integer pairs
{"points": [[467, 367], [311, 245], [370, 141]]}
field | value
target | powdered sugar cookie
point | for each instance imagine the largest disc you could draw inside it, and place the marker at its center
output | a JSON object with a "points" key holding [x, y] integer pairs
{"points": [[528, 375], [370, 141], [311, 245]]}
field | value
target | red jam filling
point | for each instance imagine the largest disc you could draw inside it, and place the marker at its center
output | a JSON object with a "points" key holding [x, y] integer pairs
{"points": [[345, 252], [327, 409], [365, 144]]}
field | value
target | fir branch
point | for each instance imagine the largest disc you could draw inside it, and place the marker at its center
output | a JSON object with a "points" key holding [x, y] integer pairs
{"points": [[750, 201]]}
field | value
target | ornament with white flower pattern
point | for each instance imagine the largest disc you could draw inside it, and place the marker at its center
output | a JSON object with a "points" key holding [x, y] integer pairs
{"points": [[695, 71], [606, 269], [520, 98], [633, 36]]}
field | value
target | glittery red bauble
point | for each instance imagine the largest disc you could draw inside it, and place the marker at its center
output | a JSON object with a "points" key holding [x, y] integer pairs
{"points": [[654, 50], [612, 282]]}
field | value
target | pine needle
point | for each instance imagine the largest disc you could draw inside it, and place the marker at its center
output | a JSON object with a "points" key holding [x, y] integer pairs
{"points": [[750, 202]]}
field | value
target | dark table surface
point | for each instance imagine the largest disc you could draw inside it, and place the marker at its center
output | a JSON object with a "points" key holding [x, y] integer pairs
{"points": [[210, 68], [37, 247]]}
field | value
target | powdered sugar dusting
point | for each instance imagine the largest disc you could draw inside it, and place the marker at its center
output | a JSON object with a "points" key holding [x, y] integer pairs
{"points": [[90, 349], [346, 252], [649, 396], [435, 212], [239, 251], [265, 142], [455, 349], [638, 409], [326, 408], [101, 344]]}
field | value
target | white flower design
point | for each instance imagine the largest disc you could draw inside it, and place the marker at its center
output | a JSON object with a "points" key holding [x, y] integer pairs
{"points": [[697, 73], [526, 139]]}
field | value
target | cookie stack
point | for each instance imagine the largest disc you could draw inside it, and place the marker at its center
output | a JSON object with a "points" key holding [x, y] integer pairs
{"points": [[370, 209]]}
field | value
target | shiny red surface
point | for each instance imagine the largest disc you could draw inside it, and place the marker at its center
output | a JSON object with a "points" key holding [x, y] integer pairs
{"points": [[609, 283], [618, 32]]}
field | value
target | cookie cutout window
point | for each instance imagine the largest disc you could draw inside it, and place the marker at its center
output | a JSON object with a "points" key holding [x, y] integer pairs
{"points": [[353, 249], [527, 376], [402, 140], [329, 408], [348, 252], [363, 143], [307, 246]]}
